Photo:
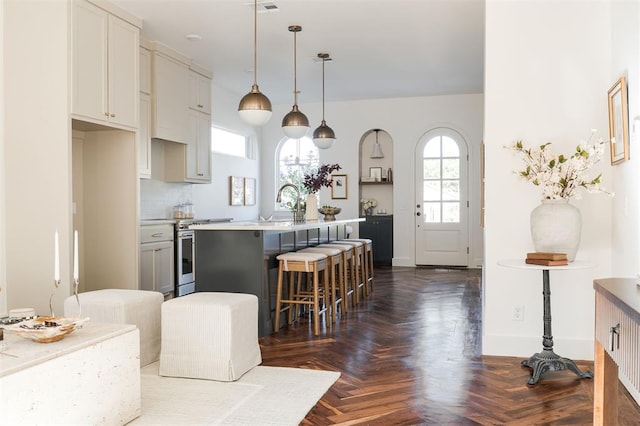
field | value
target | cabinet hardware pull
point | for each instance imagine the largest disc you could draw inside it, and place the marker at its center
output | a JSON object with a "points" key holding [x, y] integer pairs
{"points": [[113, 115], [158, 235], [200, 174], [200, 106], [615, 337], [106, 114]]}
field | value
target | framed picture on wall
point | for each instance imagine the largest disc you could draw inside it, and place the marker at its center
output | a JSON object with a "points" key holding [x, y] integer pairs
{"points": [[236, 191], [249, 191], [619, 122], [375, 173], [339, 187]]}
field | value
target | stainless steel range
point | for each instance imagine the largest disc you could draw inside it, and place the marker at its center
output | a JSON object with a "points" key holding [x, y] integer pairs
{"points": [[185, 245]]}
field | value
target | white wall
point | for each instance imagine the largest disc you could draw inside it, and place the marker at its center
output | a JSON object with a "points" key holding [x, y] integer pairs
{"points": [[406, 120], [3, 276], [625, 47], [546, 79]]}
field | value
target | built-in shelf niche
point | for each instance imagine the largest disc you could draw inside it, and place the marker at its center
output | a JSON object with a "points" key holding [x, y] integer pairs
{"points": [[381, 190]]}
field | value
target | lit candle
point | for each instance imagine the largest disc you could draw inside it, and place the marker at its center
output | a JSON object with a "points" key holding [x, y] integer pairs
{"points": [[75, 256], [56, 259]]}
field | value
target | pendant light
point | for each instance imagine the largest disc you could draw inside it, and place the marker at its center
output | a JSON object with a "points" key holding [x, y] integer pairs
{"points": [[295, 124], [255, 107], [323, 136], [377, 152]]}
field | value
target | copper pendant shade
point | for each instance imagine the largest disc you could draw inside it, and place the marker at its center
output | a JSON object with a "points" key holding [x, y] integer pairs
{"points": [[323, 136], [255, 107], [295, 124]]}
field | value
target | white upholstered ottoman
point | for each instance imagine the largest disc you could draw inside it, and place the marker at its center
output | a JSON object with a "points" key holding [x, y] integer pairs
{"points": [[210, 335], [116, 306]]}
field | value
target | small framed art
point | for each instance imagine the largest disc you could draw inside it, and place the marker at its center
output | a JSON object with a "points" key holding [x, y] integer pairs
{"points": [[339, 187], [375, 173], [619, 122], [249, 191], [236, 191]]}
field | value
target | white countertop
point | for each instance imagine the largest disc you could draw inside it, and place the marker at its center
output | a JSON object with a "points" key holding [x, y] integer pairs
{"points": [[145, 222], [272, 225], [627, 290]]}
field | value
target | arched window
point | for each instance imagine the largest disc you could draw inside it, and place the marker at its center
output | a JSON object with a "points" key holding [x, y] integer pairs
{"points": [[295, 158], [441, 180]]}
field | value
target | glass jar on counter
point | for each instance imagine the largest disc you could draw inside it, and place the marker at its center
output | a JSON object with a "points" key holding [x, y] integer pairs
{"points": [[189, 212], [178, 211]]}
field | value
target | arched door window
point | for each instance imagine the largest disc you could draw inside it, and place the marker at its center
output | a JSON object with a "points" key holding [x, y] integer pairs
{"points": [[295, 158], [441, 180]]}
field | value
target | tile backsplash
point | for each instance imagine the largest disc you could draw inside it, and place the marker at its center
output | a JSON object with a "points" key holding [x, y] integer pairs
{"points": [[157, 198]]}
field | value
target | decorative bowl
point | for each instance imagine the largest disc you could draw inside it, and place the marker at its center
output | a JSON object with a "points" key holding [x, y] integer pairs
{"points": [[46, 329], [329, 212]]}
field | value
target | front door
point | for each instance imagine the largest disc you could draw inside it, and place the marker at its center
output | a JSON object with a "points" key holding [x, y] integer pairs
{"points": [[441, 214]]}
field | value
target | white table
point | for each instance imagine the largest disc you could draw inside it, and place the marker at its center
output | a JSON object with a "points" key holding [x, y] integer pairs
{"points": [[547, 359]]}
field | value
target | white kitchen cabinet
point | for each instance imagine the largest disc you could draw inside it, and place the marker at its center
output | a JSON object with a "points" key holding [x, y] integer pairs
{"points": [[169, 100], [199, 91], [191, 162], [105, 67], [157, 258], [144, 140], [145, 69]]}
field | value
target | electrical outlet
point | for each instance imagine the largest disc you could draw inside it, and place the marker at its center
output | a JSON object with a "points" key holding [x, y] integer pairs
{"points": [[517, 313]]}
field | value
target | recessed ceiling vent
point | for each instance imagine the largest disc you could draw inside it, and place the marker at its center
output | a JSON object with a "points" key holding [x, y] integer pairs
{"points": [[265, 6]]}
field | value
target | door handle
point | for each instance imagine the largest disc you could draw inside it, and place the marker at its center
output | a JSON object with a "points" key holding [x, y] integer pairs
{"points": [[418, 214]]}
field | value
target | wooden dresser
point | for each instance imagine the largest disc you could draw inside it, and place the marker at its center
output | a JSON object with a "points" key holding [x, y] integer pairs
{"points": [[617, 346]]}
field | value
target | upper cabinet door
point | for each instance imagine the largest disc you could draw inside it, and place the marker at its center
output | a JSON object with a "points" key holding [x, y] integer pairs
{"points": [[124, 72], [90, 28], [199, 92], [169, 103], [105, 67]]}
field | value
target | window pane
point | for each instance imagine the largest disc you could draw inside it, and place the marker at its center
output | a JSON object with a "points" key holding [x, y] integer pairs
{"points": [[431, 212], [431, 169], [296, 158], [449, 147], [451, 169], [451, 212], [431, 190], [432, 148], [226, 142], [451, 190]]}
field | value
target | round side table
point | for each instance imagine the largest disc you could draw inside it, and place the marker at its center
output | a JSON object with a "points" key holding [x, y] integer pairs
{"points": [[547, 359]]}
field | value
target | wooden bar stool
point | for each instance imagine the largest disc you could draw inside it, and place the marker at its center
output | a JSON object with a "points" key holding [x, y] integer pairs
{"points": [[350, 276], [368, 259], [297, 263], [359, 256], [336, 276]]}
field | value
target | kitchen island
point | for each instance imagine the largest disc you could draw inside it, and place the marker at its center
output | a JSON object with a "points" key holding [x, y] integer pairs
{"points": [[240, 257]]}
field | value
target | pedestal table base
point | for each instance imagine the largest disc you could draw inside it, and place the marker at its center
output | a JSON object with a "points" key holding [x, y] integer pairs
{"points": [[547, 360]]}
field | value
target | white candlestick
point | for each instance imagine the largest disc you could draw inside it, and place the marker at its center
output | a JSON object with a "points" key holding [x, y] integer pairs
{"points": [[56, 259], [76, 275]]}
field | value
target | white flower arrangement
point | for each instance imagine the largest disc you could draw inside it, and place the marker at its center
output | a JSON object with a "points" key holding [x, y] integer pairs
{"points": [[561, 177], [369, 203]]}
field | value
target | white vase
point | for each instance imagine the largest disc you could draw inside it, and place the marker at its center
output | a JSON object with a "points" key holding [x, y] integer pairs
{"points": [[556, 226], [312, 207]]}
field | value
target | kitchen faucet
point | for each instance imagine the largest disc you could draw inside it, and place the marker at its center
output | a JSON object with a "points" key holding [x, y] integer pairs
{"points": [[297, 216]]}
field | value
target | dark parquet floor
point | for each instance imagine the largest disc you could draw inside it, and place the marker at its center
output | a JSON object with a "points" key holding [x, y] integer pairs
{"points": [[410, 354]]}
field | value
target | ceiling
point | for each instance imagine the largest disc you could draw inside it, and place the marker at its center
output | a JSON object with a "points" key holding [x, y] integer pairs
{"points": [[379, 48]]}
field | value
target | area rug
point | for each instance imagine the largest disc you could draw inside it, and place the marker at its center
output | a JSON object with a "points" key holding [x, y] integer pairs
{"points": [[263, 396]]}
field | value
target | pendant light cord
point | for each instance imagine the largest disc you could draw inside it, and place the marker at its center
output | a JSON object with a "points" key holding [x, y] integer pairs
{"points": [[295, 68], [255, 42], [323, 61]]}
